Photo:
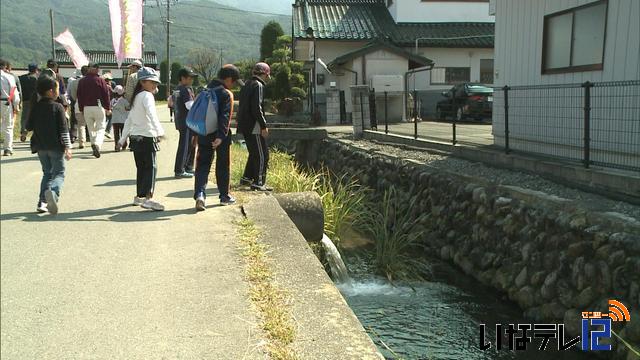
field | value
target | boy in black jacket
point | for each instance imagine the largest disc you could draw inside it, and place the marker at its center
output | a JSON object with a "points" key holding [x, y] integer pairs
{"points": [[51, 141], [253, 126]]}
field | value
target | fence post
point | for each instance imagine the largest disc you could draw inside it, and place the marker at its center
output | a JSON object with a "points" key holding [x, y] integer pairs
{"points": [[587, 123], [506, 119], [362, 112], [453, 127], [415, 114], [386, 113]]}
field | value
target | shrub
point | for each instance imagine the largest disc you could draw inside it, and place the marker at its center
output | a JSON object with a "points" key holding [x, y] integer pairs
{"points": [[296, 92], [297, 80]]}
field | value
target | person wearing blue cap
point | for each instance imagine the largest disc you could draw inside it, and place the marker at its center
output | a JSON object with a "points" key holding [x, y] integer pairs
{"points": [[144, 131], [28, 82]]}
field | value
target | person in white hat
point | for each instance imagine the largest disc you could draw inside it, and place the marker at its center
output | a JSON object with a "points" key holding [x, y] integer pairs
{"points": [[119, 106], [144, 131], [132, 80]]}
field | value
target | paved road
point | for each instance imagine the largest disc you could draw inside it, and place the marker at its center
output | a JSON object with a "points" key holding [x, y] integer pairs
{"points": [[106, 280], [474, 133], [471, 133]]}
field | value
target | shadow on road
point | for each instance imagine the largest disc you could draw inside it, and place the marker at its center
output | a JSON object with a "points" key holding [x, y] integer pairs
{"points": [[113, 214], [188, 194], [131, 182], [6, 160]]}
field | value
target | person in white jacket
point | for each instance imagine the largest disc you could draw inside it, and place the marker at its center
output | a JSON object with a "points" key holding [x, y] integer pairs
{"points": [[144, 131], [9, 106]]}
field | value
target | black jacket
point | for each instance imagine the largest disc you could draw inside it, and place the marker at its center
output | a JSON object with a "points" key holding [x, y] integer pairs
{"points": [[251, 108], [48, 122], [28, 83]]}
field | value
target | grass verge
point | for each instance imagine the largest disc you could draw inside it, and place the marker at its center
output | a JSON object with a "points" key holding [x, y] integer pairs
{"points": [[268, 298], [342, 197]]}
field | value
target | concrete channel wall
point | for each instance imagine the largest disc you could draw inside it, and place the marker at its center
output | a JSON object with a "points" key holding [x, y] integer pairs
{"points": [[551, 257], [326, 327]]}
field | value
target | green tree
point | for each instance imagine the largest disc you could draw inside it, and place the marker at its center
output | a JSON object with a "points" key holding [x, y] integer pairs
{"points": [[175, 67], [282, 86], [163, 72], [268, 38]]}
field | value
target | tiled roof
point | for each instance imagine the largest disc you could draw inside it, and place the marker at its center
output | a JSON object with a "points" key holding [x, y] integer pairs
{"points": [[374, 46], [105, 58], [460, 34], [370, 20]]}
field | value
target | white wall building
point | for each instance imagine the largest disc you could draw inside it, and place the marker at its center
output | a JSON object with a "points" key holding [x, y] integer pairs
{"points": [[552, 42], [456, 37]]}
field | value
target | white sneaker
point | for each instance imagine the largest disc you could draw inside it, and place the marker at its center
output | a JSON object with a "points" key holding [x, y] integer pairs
{"points": [[138, 201], [42, 207], [153, 205]]}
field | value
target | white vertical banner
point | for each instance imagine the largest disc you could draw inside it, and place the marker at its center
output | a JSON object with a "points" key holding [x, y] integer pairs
{"points": [[126, 28]]}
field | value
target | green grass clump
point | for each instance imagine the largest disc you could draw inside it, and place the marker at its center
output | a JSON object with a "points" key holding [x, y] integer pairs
{"points": [[342, 198], [392, 227]]}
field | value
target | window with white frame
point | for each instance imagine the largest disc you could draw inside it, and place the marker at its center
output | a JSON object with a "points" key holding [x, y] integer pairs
{"points": [[574, 39], [450, 75]]}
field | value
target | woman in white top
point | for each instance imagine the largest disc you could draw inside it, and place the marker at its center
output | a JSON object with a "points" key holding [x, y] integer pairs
{"points": [[144, 132]]}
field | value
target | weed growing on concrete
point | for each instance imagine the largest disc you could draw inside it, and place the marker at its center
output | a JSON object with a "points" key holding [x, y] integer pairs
{"points": [[269, 299], [391, 224]]}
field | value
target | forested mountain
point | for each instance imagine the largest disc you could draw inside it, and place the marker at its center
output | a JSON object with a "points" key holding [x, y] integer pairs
{"points": [[25, 30], [272, 6]]}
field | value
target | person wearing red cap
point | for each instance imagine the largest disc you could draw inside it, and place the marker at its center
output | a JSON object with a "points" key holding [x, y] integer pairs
{"points": [[252, 124]]}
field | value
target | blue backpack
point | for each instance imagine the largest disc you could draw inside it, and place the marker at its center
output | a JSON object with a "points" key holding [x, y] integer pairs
{"points": [[203, 115]]}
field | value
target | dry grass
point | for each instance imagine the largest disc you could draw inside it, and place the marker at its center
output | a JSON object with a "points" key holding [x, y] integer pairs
{"points": [[269, 299]]}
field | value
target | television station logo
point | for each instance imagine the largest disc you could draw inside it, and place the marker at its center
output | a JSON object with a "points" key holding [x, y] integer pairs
{"points": [[596, 328]]}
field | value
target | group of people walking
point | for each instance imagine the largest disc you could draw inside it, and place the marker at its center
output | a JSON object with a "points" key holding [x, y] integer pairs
{"points": [[136, 125]]}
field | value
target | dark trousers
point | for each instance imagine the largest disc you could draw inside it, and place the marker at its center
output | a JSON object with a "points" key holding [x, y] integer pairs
{"points": [[186, 152], [73, 129], [26, 110], [117, 133], [146, 175], [109, 125], [204, 159], [258, 161]]}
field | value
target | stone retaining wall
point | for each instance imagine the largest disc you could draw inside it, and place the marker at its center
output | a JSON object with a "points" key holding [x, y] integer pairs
{"points": [[550, 256]]}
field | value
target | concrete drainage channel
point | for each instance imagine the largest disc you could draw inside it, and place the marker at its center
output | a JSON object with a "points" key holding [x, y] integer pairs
{"points": [[552, 257]]}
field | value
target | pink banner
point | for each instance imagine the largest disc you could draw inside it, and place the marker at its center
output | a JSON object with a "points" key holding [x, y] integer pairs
{"points": [[76, 54], [126, 28]]}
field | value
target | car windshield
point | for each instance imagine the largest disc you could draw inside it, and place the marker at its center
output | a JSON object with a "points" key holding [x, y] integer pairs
{"points": [[479, 88]]}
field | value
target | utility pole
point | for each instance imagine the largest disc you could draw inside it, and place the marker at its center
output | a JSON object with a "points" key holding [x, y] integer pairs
{"points": [[168, 49], [53, 44]]}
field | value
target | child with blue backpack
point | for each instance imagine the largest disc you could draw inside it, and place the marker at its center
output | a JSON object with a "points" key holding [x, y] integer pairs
{"points": [[218, 142]]}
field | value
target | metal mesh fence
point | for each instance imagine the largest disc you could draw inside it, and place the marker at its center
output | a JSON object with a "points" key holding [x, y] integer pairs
{"points": [[591, 123]]}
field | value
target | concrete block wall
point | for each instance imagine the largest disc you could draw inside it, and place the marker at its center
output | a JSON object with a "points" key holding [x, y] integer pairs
{"points": [[333, 107], [361, 114]]}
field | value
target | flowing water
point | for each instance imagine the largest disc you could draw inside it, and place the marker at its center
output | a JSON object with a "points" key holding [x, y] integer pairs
{"points": [[436, 319], [339, 271]]}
